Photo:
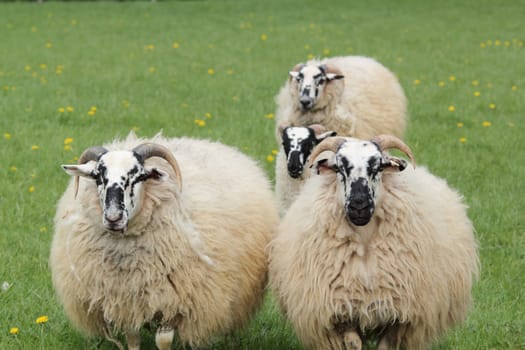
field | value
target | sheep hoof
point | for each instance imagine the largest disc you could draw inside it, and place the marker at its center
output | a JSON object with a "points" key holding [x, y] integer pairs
{"points": [[352, 341], [164, 337]]}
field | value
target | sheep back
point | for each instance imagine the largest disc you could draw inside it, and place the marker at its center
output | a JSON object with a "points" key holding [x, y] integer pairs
{"points": [[226, 211], [414, 264]]}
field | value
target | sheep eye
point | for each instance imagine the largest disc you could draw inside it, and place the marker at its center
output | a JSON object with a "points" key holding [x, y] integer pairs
{"points": [[321, 81]]}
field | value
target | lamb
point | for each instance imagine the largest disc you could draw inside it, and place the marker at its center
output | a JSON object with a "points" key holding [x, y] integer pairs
{"points": [[137, 248], [352, 96], [373, 250], [298, 142]]}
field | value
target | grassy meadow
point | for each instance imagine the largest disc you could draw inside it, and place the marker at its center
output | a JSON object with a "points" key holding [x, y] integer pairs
{"points": [[78, 74]]}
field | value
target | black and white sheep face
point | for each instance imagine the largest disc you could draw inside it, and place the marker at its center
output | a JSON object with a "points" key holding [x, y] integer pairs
{"points": [[119, 176], [359, 166], [311, 80], [298, 143]]}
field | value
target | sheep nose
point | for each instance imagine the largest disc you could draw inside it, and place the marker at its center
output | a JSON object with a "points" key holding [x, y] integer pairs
{"points": [[306, 102], [359, 204], [114, 217]]}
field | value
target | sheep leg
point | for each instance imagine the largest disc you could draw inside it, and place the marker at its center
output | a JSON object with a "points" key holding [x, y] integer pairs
{"points": [[352, 340], [164, 337], [391, 338], [133, 340]]}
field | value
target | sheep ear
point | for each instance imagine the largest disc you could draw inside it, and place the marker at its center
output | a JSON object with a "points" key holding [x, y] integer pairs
{"points": [[334, 76], [85, 170], [156, 174], [293, 74], [325, 166], [324, 135], [393, 164]]}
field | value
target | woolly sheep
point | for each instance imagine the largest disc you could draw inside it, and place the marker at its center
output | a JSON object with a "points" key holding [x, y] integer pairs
{"points": [[351, 95], [147, 250], [368, 252]]}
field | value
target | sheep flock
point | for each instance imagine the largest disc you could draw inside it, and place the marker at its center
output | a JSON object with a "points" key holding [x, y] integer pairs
{"points": [[185, 237]]}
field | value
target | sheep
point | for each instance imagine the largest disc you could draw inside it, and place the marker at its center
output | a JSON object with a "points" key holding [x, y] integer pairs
{"points": [[298, 142], [373, 250], [137, 248], [353, 96]]}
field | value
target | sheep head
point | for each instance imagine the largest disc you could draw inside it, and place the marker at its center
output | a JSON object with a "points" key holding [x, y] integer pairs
{"points": [[298, 142], [359, 166], [120, 176], [311, 80]]}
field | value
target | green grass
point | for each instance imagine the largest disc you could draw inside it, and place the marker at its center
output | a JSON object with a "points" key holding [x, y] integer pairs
{"points": [[120, 58]]}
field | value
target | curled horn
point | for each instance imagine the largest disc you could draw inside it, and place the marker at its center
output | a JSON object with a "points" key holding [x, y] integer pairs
{"points": [[298, 67], [92, 153], [148, 150], [328, 144], [388, 142]]}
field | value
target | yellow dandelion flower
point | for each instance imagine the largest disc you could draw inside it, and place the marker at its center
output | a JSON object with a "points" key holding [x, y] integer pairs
{"points": [[497, 42], [451, 108], [200, 122], [211, 71], [452, 78], [67, 148], [463, 139], [310, 56], [175, 45], [506, 43], [492, 106], [13, 330], [27, 68], [70, 109], [307, 47], [31, 189], [326, 52], [441, 83], [7, 136], [269, 116], [264, 37], [135, 128], [61, 109], [486, 124], [417, 81], [35, 147], [91, 112], [230, 71], [475, 83], [152, 70], [125, 103], [460, 124], [43, 229], [514, 88], [207, 115], [49, 45], [68, 140], [477, 93], [6, 87], [42, 319], [93, 108], [482, 45], [43, 66], [270, 158], [274, 152], [13, 168]]}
